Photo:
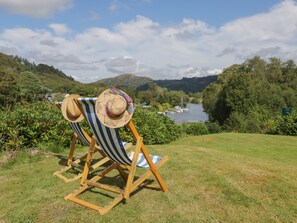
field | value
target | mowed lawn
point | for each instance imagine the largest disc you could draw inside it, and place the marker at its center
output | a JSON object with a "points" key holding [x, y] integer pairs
{"points": [[225, 177]]}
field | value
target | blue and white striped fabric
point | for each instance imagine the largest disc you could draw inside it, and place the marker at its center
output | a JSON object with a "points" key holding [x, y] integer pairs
{"points": [[76, 128], [141, 162], [109, 138]]}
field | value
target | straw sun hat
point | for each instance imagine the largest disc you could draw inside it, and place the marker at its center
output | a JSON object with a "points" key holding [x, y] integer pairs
{"points": [[114, 108], [70, 109]]}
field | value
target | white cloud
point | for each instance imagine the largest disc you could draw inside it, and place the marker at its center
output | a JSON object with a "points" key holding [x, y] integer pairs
{"points": [[276, 28], [122, 65], [277, 25], [145, 47], [35, 8], [188, 29], [59, 29], [126, 64]]}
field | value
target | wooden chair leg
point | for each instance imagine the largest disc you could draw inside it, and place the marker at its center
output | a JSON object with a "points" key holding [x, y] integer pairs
{"points": [[154, 169], [88, 161], [70, 156], [133, 169]]}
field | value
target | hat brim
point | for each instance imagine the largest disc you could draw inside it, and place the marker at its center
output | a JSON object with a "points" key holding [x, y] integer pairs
{"points": [[64, 109], [101, 113]]}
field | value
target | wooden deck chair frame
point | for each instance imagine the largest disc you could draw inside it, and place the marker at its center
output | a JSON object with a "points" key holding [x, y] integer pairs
{"points": [[131, 183], [82, 135]]}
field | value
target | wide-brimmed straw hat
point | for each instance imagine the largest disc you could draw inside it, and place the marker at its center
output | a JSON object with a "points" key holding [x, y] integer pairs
{"points": [[70, 110], [114, 108]]}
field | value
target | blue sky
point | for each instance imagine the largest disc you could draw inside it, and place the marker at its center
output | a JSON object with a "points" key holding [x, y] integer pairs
{"points": [[161, 39]]}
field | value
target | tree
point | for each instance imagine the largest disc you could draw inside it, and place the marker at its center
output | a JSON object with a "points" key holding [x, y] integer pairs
{"points": [[210, 101], [9, 89], [246, 96], [274, 71], [256, 66], [30, 86], [289, 69]]}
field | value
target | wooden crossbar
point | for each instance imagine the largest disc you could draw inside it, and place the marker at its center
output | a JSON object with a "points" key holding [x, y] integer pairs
{"points": [[105, 187], [85, 203]]}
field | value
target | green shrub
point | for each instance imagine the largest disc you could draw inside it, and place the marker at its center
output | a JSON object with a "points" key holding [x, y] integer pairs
{"points": [[31, 124], [198, 128], [41, 123], [273, 126], [284, 125], [288, 125], [213, 127], [235, 123], [154, 128]]}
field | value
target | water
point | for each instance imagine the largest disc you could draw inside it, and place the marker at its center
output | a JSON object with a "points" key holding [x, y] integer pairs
{"points": [[195, 114]]}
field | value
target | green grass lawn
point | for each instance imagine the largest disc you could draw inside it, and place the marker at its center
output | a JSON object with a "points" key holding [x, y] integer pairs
{"points": [[212, 178]]}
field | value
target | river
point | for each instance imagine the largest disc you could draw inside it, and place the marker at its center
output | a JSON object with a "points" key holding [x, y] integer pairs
{"points": [[195, 114]]}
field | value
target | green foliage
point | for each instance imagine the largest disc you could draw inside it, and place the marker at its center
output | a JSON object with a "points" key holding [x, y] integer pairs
{"points": [[198, 128], [41, 123], [188, 85], [35, 79], [85, 90], [156, 96], [31, 124], [9, 90], [196, 98], [154, 128], [31, 86], [284, 125], [236, 122], [165, 106], [213, 127], [211, 103], [126, 81], [248, 96]]}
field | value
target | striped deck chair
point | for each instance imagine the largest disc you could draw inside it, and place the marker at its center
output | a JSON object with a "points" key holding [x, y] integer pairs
{"points": [[110, 142], [79, 134]]}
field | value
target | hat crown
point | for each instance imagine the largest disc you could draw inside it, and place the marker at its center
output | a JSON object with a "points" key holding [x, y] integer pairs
{"points": [[116, 105], [72, 109], [114, 108]]}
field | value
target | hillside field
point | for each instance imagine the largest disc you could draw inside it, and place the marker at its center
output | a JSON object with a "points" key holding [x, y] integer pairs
{"points": [[226, 177]]}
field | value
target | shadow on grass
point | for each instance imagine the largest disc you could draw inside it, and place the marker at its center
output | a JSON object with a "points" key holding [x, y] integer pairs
{"points": [[94, 194]]}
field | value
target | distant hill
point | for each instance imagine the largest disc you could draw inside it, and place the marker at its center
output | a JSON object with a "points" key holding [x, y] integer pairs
{"points": [[56, 81], [54, 78], [126, 80], [50, 77], [188, 85]]}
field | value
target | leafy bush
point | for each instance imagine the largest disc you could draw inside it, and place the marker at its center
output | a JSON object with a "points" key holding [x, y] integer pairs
{"points": [[198, 128], [236, 122], [288, 125], [284, 125], [31, 124], [213, 127], [154, 128], [273, 125], [41, 123]]}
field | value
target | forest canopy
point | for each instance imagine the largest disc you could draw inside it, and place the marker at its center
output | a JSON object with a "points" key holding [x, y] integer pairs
{"points": [[248, 96]]}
